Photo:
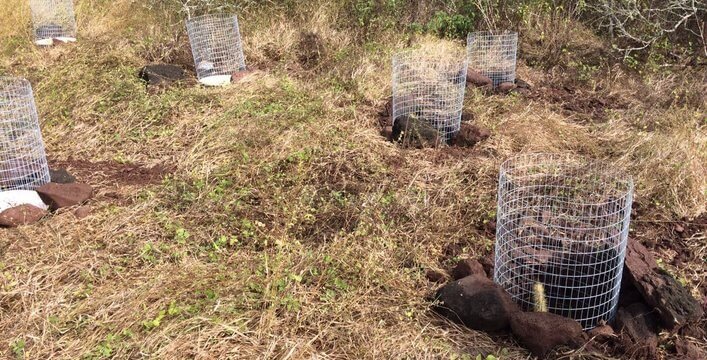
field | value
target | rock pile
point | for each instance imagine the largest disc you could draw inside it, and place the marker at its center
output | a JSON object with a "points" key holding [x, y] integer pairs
{"points": [[20, 208], [651, 300], [476, 79]]}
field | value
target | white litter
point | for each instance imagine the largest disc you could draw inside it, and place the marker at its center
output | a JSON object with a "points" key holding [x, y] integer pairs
{"points": [[216, 80], [14, 198]]}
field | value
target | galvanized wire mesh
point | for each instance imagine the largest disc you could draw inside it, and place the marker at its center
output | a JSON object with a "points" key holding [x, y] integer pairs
{"points": [[493, 54], [217, 48], [53, 19], [561, 235], [23, 164], [429, 87]]}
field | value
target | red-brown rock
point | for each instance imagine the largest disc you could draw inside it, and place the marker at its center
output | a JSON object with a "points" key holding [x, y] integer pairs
{"points": [[602, 333], [541, 332], [59, 196], [477, 79], [638, 327], [470, 135], [21, 215], [467, 267], [673, 302], [686, 350], [505, 88], [435, 276], [476, 302]]}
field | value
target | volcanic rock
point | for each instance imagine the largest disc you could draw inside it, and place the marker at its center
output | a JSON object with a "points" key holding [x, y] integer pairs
{"points": [[467, 267], [639, 328], [602, 333], [521, 84], [505, 87], [161, 74], [58, 196], [676, 306], [540, 332], [21, 215], [61, 176], [469, 135], [476, 302], [477, 79], [435, 276]]}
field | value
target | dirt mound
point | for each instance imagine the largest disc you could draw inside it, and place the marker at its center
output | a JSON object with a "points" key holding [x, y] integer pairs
{"points": [[588, 106], [112, 172]]}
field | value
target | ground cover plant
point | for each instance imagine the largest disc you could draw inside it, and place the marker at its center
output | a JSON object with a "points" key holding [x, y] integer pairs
{"points": [[270, 219]]}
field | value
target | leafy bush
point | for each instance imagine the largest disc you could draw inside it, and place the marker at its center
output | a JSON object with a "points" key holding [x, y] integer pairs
{"points": [[451, 26]]}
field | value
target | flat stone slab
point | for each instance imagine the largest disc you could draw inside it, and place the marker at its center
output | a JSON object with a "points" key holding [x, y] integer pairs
{"points": [[676, 306]]}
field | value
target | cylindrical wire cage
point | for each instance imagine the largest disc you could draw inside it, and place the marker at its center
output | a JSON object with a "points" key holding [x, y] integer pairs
{"points": [[493, 54], [217, 48], [53, 20], [23, 163], [429, 87], [562, 229]]}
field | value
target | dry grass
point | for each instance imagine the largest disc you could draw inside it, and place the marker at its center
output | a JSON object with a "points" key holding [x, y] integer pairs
{"points": [[288, 228]]}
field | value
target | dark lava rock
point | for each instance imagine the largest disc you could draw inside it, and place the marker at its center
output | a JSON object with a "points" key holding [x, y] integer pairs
{"points": [[476, 302], [416, 133], [520, 84], [470, 135], [435, 276], [477, 79], [467, 267], [541, 332], [21, 215], [676, 306], [602, 333], [161, 74], [688, 351], [59, 196], [638, 326], [488, 262], [61, 176], [505, 87]]}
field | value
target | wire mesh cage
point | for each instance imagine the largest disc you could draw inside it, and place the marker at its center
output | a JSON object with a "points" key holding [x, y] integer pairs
{"points": [[53, 20], [23, 163], [493, 54], [562, 229], [217, 48], [428, 90]]}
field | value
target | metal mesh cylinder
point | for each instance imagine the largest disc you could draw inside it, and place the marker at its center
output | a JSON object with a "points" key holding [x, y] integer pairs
{"points": [[23, 163], [53, 19], [493, 54], [429, 88], [562, 229], [217, 48]]}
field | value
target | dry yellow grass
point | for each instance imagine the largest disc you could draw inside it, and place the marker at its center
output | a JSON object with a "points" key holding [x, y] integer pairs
{"points": [[286, 228]]}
